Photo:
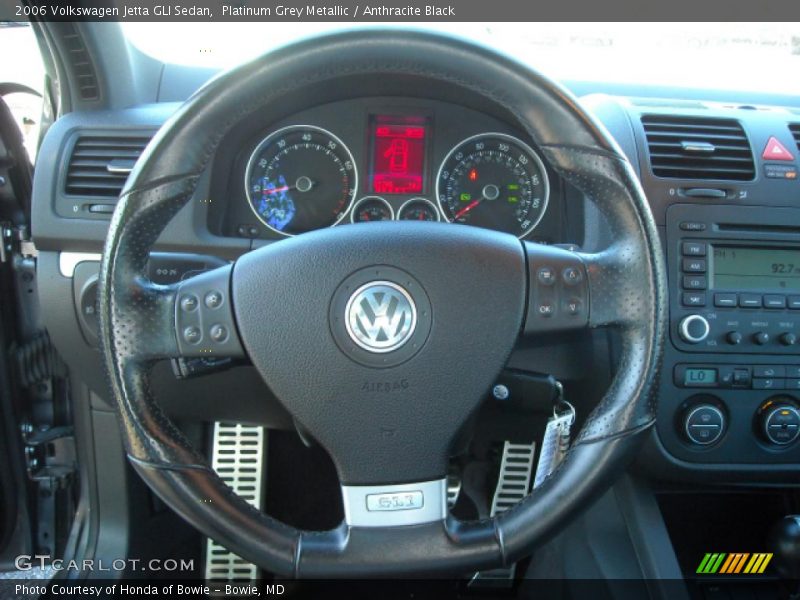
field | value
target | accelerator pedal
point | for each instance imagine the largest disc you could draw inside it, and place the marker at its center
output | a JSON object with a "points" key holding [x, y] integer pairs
{"points": [[238, 453]]}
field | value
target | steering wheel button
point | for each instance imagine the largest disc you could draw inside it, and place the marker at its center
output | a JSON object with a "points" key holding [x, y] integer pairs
{"points": [[546, 276], [214, 299], [218, 333], [192, 334], [572, 276], [573, 306], [189, 303], [545, 309]]}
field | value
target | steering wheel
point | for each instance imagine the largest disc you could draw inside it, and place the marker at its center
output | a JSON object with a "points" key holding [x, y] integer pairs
{"points": [[331, 317]]}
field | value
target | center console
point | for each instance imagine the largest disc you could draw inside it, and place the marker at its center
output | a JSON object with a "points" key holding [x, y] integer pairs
{"points": [[731, 389]]}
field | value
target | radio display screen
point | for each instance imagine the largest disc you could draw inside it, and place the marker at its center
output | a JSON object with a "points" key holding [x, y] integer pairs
{"points": [[764, 269]]}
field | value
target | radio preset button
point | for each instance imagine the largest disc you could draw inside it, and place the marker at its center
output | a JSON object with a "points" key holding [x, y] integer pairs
{"points": [[693, 249], [694, 282], [694, 329], [750, 300], [694, 299], [774, 301], [693, 265], [725, 300]]}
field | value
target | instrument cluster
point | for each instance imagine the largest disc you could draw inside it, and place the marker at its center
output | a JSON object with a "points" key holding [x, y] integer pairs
{"points": [[425, 163]]}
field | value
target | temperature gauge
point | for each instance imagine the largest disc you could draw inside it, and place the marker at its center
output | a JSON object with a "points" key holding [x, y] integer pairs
{"points": [[371, 208]]}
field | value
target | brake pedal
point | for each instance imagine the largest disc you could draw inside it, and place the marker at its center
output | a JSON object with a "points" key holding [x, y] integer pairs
{"points": [[513, 484], [238, 458]]}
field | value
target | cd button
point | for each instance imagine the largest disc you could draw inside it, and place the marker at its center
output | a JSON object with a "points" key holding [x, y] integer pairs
{"points": [[694, 282]]}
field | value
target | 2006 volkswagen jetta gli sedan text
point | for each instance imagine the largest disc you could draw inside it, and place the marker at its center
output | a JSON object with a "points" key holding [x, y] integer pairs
{"points": [[390, 303]]}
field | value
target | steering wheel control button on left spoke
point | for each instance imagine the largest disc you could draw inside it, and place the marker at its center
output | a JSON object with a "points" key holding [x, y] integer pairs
{"points": [[192, 334], [219, 333], [395, 505], [207, 329], [189, 303], [214, 299], [558, 294]]}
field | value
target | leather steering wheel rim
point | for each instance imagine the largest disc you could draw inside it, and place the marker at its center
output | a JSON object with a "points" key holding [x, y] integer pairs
{"points": [[626, 284]]}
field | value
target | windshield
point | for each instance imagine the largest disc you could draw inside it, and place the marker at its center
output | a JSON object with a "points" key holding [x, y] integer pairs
{"points": [[735, 56]]}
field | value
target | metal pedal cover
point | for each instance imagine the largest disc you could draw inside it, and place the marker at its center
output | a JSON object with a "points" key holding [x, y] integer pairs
{"points": [[513, 484], [238, 458], [453, 489]]}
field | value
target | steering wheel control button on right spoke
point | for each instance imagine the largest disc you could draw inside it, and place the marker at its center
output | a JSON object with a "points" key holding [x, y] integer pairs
{"points": [[558, 290], [572, 276], [546, 276]]}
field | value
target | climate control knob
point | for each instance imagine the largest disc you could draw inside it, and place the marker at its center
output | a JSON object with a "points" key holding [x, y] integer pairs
{"points": [[694, 329], [780, 423], [703, 424]]}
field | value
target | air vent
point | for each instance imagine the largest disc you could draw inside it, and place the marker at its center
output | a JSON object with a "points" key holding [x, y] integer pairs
{"points": [[698, 148], [77, 57], [99, 165], [795, 129]]}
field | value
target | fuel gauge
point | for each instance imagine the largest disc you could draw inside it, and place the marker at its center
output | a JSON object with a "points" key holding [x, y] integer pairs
{"points": [[418, 209]]}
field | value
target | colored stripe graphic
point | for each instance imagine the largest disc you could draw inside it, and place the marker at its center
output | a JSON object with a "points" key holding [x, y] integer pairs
{"points": [[734, 563]]}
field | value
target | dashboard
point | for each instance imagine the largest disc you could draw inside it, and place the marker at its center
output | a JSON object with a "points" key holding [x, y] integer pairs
{"points": [[724, 200], [382, 158]]}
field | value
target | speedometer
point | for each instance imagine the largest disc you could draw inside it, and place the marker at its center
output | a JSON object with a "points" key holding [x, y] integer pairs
{"points": [[495, 181], [301, 178]]}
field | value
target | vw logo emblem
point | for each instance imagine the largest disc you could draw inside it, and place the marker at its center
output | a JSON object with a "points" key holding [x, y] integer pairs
{"points": [[380, 316]]}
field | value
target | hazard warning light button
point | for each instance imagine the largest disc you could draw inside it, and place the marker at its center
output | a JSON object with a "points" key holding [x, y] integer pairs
{"points": [[776, 151]]}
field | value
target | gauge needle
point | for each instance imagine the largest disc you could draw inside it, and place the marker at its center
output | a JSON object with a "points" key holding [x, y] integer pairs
{"points": [[466, 209], [303, 184]]}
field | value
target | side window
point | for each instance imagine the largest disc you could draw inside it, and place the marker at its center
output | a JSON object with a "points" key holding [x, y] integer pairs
{"points": [[17, 40]]}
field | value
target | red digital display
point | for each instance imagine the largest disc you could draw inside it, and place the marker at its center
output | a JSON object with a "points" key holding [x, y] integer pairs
{"points": [[398, 160]]}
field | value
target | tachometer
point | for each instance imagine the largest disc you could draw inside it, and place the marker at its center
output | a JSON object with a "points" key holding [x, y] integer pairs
{"points": [[493, 180], [301, 178]]}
